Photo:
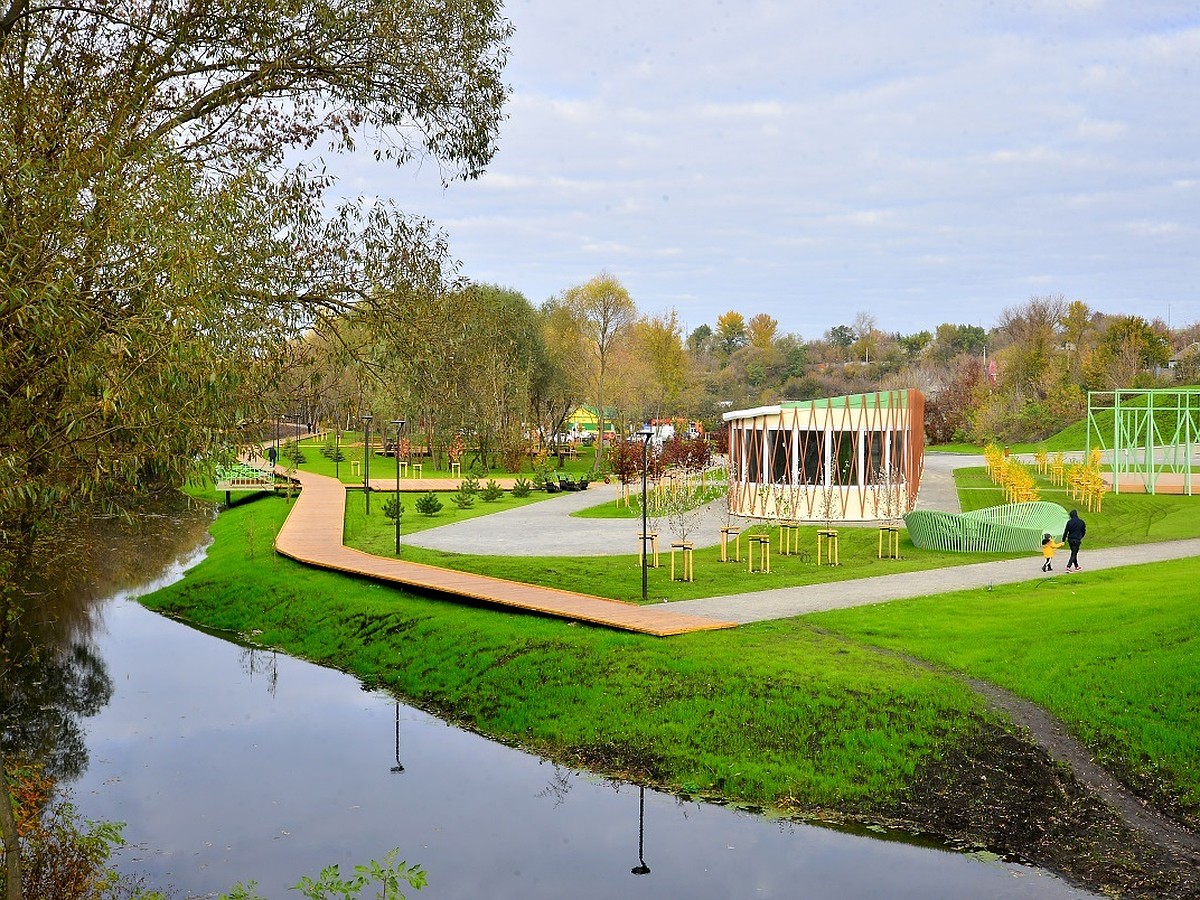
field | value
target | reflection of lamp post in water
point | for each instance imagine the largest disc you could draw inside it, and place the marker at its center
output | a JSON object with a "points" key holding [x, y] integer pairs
{"points": [[646, 434], [641, 868], [367, 417], [398, 767], [399, 423]]}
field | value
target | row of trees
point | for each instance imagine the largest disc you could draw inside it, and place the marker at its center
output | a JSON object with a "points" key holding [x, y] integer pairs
{"points": [[483, 361]]}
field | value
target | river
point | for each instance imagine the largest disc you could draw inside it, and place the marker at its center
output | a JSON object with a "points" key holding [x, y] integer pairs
{"points": [[235, 765]]}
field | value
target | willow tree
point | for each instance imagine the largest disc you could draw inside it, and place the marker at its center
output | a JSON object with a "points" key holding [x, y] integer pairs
{"points": [[155, 254], [504, 352]]}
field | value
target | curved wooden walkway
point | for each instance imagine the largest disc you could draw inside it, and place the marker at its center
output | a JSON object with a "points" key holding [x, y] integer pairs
{"points": [[312, 534]]}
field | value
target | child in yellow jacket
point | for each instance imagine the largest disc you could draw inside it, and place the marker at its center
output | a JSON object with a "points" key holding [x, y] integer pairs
{"points": [[1049, 545]]}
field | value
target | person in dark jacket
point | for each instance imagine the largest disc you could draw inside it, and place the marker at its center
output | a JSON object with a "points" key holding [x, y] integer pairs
{"points": [[1073, 536]]}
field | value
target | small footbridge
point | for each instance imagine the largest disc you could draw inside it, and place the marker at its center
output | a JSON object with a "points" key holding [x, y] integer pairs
{"points": [[244, 478]]}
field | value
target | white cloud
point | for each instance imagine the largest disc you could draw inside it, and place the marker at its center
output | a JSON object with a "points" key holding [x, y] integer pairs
{"points": [[1154, 229], [1093, 130]]}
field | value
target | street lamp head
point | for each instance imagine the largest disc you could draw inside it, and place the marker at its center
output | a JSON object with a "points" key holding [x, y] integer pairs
{"points": [[646, 432], [367, 417], [399, 423]]}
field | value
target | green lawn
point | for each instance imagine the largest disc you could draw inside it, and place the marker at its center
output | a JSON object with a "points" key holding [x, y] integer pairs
{"points": [[375, 539], [384, 467]]}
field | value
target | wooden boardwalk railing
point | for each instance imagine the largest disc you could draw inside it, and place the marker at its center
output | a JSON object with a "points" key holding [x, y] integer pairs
{"points": [[312, 534]]}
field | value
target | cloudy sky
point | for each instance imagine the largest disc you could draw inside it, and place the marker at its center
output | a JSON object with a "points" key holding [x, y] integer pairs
{"points": [[921, 161]]}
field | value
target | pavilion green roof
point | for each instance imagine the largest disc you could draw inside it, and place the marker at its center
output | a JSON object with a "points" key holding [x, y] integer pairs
{"points": [[884, 399]]}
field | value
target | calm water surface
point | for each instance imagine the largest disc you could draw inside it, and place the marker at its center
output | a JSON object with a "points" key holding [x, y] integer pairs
{"points": [[234, 765]]}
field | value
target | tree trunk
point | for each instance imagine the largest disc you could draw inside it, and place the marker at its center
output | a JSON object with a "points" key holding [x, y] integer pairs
{"points": [[12, 848]]}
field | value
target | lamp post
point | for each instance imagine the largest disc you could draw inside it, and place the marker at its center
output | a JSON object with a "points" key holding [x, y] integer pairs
{"points": [[337, 450], [367, 417], [399, 423], [646, 433]]}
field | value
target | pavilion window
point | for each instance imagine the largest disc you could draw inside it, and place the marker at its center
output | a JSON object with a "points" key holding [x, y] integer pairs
{"points": [[897, 454], [752, 445], [778, 456], [845, 457], [812, 457], [877, 469]]}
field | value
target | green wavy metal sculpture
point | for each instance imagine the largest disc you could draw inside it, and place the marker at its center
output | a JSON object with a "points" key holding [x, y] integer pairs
{"points": [[1012, 528]]}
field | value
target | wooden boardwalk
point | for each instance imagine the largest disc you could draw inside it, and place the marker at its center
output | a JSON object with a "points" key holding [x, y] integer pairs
{"points": [[312, 534]]}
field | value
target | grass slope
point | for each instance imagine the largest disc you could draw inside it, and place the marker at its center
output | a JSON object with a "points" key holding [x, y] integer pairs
{"points": [[1115, 654], [772, 714]]}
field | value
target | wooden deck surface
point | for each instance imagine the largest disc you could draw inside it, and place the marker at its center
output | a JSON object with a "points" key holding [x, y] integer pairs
{"points": [[312, 534], [1164, 482]]}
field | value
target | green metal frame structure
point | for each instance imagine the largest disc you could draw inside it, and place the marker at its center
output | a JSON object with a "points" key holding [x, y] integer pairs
{"points": [[1012, 528], [1146, 433]]}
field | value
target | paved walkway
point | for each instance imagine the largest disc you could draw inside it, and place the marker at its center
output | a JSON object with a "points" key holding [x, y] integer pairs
{"points": [[312, 534], [547, 529]]}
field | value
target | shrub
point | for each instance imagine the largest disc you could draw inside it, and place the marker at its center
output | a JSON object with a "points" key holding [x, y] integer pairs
{"points": [[393, 508], [522, 487], [468, 488], [492, 491], [293, 452], [428, 504]]}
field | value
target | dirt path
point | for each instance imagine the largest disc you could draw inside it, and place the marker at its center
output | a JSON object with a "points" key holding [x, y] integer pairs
{"points": [[1089, 825], [1051, 735]]}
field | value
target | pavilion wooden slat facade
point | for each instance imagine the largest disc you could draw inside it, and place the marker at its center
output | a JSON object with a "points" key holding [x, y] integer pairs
{"points": [[852, 458]]}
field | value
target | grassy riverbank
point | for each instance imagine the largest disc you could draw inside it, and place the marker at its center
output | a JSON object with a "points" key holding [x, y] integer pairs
{"points": [[1115, 654], [778, 713], [806, 714]]}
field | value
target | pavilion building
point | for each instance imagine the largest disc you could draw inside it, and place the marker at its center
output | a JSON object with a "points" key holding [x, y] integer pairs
{"points": [[857, 458]]}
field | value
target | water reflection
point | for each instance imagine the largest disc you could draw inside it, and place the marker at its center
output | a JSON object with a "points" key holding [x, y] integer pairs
{"points": [[43, 699], [399, 766], [257, 662], [52, 677], [641, 868]]}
